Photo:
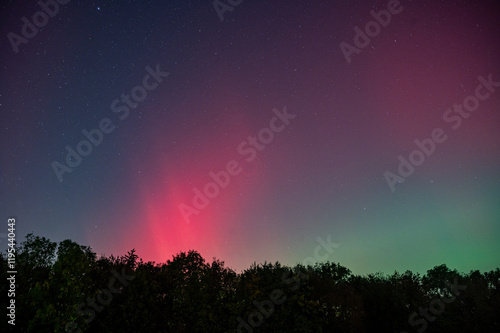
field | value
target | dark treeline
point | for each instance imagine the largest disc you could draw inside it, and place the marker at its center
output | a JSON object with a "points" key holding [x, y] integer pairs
{"points": [[65, 287]]}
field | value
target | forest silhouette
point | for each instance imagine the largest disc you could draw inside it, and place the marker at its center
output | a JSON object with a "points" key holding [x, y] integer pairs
{"points": [[66, 287]]}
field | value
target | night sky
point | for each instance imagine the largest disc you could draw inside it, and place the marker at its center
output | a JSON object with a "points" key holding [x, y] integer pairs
{"points": [[301, 128]]}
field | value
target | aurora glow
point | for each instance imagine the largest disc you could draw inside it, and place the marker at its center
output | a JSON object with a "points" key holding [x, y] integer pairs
{"points": [[321, 175]]}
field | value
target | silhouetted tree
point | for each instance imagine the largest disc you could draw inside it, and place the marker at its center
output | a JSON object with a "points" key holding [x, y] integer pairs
{"points": [[74, 291]]}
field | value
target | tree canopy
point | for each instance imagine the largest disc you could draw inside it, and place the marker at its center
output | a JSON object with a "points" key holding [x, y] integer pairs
{"points": [[65, 287]]}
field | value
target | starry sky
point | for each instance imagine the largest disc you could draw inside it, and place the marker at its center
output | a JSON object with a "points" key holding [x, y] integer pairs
{"points": [[298, 116]]}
